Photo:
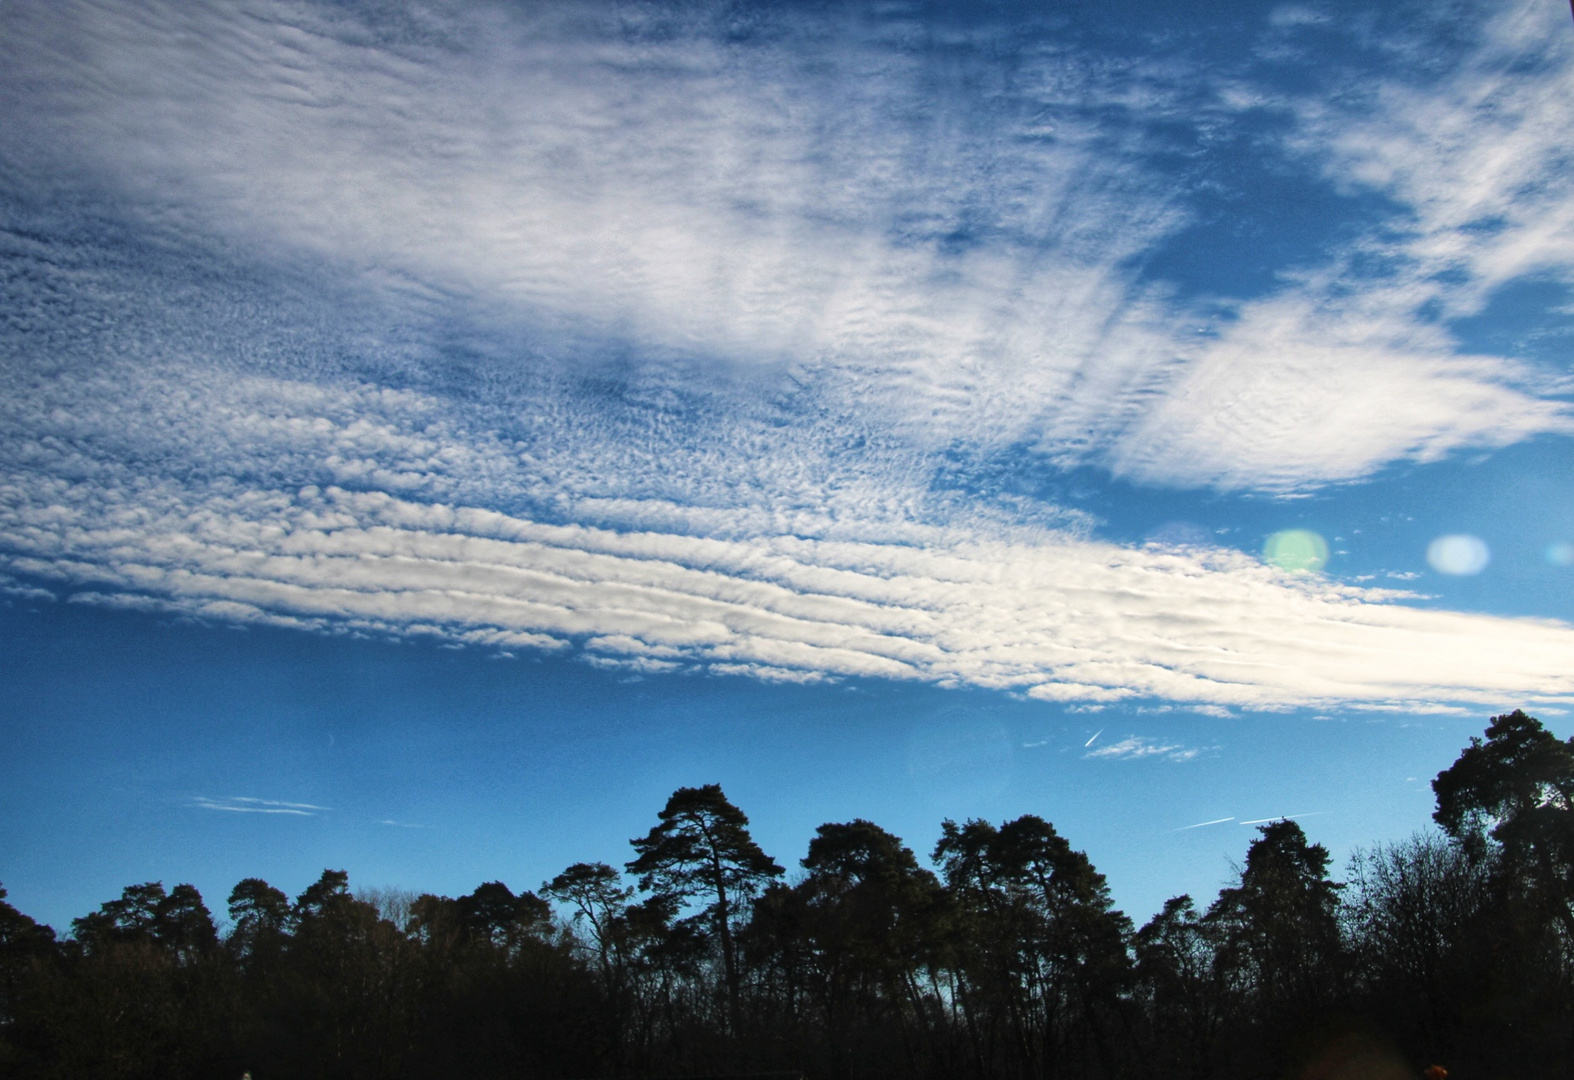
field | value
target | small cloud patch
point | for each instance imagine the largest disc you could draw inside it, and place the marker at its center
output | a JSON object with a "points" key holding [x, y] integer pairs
{"points": [[1136, 746], [247, 805]]}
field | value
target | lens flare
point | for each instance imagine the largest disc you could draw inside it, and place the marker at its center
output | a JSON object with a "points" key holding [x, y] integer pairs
{"points": [[1460, 555], [1560, 553], [1300, 551]]}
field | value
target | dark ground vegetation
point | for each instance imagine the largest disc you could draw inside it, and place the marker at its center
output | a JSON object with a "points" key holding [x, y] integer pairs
{"points": [[1453, 947]]}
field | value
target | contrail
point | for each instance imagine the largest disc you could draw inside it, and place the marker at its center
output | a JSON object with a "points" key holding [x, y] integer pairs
{"points": [[1096, 734], [1283, 817], [1200, 824]]}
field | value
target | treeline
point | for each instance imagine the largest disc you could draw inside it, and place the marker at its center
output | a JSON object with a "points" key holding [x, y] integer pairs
{"points": [[1007, 960]]}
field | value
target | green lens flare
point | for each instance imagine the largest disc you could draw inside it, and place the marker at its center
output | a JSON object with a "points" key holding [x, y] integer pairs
{"points": [[1299, 551]]}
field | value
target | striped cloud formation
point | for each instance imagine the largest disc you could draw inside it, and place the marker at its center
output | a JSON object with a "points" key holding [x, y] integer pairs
{"points": [[656, 586], [687, 340], [1062, 620]]}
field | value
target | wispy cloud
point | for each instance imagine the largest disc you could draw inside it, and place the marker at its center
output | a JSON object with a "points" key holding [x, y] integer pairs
{"points": [[1135, 747], [246, 805], [1360, 347], [813, 212], [1204, 824]]}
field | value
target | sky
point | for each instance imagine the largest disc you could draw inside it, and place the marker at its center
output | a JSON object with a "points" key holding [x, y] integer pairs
{"points": [[435, 432]]}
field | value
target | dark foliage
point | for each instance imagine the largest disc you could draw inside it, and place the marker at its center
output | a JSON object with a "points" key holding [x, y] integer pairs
{"points": [[1011, 962]]}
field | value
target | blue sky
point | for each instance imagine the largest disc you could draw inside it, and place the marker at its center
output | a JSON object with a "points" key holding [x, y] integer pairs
{"points": [[434, 433]]}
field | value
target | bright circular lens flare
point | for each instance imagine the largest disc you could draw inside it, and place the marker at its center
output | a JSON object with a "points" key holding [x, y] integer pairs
{"points": [[1299, 551], [1560, 553], [1460, 555]]}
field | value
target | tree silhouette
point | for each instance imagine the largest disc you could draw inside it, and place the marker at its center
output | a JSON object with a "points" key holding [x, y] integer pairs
{"points": [[1418, 914], [1014, 965], [1043, 950], [1518, 788], [1183, 988], [25, 947], [598, 896], [350, 990], [260, 915], [1279, 937], [183, 925], [493, 914], [871, 920], [132, 918], [702, 848]]}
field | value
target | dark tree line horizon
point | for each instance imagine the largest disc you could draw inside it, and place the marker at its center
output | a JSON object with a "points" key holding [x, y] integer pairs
{"points": [[700, 957]]}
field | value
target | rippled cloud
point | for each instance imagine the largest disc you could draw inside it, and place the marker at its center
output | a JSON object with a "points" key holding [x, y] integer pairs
{"points": [[954, 261], [692, 345], [1053, 614]]}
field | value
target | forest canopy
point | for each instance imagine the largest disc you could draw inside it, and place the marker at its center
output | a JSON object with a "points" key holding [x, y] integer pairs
{"points": [[702, 956]]}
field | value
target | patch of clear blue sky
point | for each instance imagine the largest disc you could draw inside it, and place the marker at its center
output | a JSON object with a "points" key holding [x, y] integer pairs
{"points": [[511, 768], [1531, 318]]}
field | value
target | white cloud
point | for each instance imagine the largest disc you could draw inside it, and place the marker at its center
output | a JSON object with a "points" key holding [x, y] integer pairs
{"points": [[241, 804], [1299, 388], [1135, 747], [506, 329], [1480, 156], [1351, 365], [1048, 613], [950, 272]]}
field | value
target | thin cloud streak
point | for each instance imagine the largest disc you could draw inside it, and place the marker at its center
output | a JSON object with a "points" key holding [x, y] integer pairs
{"points": [[1135, 747], [1204, 824], [1284, 817], [276, 802], [244, 805]]}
